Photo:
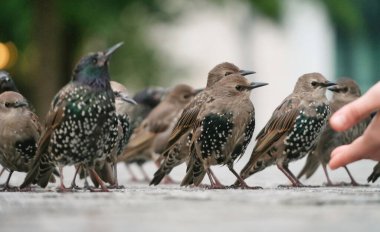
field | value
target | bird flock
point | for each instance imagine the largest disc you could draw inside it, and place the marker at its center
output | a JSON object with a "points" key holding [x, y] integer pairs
{"points": [[93, 125]]}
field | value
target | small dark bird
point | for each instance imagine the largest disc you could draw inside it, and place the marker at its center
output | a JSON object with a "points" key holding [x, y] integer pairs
{"points": [[108, 170], [19, 133], [6, 82], [345, 92], [150, 139], [81, 126], [177, 151], [293, 129], [222, 129], [147, 99], [375, 173]]}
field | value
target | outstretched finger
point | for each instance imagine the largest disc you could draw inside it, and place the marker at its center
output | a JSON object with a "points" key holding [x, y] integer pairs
{"points": [[346, 154]]}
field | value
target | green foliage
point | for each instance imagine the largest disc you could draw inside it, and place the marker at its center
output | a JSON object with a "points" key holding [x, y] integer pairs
{"points": [[270, 8]]}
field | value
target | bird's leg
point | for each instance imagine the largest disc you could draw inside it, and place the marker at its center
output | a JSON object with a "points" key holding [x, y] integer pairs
{"points": [[217, 182], [214, 184], [62, 187], [146, 176], [242, 185], [116, 185], [289, 175], [353, 181], [73, 184], [2, 171], [6, 184], [329, 182], [133, 176], [99, 180], [86, 184]]}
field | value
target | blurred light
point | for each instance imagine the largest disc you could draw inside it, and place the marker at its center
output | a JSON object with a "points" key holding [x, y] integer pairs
{"points": [[8, 55]]}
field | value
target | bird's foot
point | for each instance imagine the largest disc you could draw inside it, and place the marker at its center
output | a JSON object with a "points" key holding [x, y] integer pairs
{"points": [[298, 186], [345, 184], [8, 188], [116, 186], [217, 186], [98, 190]]}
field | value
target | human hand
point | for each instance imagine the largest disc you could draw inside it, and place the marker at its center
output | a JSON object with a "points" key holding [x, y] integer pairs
{"points": [[367, 146]]}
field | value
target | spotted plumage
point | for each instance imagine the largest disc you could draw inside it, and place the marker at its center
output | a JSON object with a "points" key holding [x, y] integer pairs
{"points": [[177, 151], [81, 126], [222, 129], [345, 92], [293, 128], [19, 133]]}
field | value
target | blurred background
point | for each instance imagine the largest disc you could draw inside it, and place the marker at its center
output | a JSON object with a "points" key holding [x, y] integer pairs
{"points": [[169, 41]]}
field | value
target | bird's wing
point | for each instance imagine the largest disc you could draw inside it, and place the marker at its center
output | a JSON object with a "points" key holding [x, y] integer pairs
{"points": [[186, 121], [282, 121]]}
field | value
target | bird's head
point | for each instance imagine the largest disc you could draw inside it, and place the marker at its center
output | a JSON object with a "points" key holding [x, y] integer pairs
{"points": [[182, 94], [223, 70], [6, 82], [312, 83], [236, 84], [345, 90], [93, 69], [12, 101], [150, 96]]}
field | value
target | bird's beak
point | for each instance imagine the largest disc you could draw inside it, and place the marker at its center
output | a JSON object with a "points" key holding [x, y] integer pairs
{"points": [[129, 100], [255, 85], [196, 91], [327, 84], [335, 88], [20, 104], [112, 49], [246, 72]]}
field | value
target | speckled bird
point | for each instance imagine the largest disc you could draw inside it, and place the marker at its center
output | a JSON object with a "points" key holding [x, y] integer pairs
{"points": [[148, 140], [293, 129], [147, 99], [19, 133], [81, 126], [345, 92], [222, 129], [375, 173], [178, 148]]}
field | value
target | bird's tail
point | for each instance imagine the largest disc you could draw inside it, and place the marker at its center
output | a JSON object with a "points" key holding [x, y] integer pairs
{"points": [[256, 163], [195, 171], [166, 167], [375, 173], [311, 165], [40, 173]]}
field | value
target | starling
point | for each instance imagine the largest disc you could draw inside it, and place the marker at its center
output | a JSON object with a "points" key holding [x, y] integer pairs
{"points": [[81, 126], [293, 128], [345, 92], [151, 137], [6, 82], [222, 129], [375, 174], [147, 99], [19, 133], [178, 148]]}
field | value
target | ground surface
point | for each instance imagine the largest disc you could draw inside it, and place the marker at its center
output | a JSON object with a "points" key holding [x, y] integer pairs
{"points": [[171, 208]]}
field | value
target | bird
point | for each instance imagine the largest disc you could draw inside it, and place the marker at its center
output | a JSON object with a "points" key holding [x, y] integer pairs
{"points": [[346, 91], [6, 82], [177, 151], [81, 126], [293, 128], [147, 99], [375, 173], [150, 138], [221, 129], [19, 133]]}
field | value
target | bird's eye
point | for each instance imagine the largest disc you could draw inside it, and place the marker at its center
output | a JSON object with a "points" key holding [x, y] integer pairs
{"points": [[314, 83], [187, 96], [345, 90], [239, 88], [94, 60], [227, 73], [7, 104]]}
